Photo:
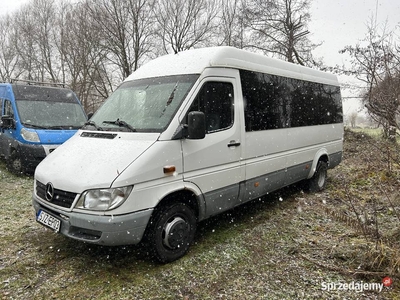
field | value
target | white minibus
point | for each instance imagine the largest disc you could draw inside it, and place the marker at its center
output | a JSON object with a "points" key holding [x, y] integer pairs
{"points": [[185, 137]]}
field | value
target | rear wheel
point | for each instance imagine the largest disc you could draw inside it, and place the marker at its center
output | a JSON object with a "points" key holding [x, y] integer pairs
{"points": [[318, 182], [171, 232]]}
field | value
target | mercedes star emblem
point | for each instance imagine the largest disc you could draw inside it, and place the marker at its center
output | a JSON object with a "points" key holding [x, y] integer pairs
{"points": [[49, 191]]}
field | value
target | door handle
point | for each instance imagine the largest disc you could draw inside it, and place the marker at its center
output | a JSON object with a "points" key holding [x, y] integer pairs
{"points": [[234, 144]]}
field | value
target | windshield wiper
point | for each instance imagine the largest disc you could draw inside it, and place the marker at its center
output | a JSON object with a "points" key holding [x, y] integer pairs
{"points": [[64, 127], [91, 123], [170, 98], [120, 123], [34, 126]]}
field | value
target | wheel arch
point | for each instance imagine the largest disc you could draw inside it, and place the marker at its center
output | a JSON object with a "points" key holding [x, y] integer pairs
{"points": [[189, 195], [321, 155]]}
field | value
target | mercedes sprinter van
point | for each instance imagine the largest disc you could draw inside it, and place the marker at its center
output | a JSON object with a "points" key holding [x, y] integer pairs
{"points": [[185, 137]]}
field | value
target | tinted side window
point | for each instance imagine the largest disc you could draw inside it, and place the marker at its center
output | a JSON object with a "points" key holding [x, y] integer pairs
{"points": [[268, 100], [331, 107], [215, 100], [263, 95], [1, 107], [273, 102]]}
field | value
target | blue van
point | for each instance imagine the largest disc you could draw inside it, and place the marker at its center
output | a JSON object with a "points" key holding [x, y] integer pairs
{"points": [[35, 119]]}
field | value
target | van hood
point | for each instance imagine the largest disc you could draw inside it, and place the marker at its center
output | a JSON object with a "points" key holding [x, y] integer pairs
{"points": [[91, 160]]}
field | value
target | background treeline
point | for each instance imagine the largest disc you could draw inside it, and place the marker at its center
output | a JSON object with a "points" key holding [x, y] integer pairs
{"points": [[92, 45]]}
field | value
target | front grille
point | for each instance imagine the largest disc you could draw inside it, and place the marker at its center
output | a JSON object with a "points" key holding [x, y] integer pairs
{"points": [[60, 198]]}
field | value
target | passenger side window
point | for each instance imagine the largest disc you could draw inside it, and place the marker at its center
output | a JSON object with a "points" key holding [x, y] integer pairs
{"points": [[215, 100]]}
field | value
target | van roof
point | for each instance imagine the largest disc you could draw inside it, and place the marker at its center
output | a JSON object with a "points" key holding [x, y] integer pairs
{"points": [[196, 60]]}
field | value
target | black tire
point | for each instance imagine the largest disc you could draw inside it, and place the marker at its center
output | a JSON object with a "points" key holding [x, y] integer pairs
{"points": [[171, 232], [318, 182], [14, 163]]}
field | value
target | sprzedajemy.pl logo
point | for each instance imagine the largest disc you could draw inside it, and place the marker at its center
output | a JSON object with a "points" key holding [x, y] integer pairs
{"points": [[357, 286]]}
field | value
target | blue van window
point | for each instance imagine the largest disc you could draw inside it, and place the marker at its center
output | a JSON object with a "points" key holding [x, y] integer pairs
{"points": [[39, 93], [51, 114], [48, 107]]}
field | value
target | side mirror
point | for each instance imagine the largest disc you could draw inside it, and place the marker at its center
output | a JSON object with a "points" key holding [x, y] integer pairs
{"points": [[7, 122], [196, 125]]}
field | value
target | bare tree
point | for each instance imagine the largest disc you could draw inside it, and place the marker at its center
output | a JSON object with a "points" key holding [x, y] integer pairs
{"points": [[126, 30], [232, 28], [142, 28], [280, 28], [353, 119], [383, 104], [184, 24], [111, 21], [84, 57], [8, 55], [44, 14], [26, 46], [376, 62]]}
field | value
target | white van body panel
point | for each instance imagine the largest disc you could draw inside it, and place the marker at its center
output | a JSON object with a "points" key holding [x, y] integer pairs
{"points": [[265, 153], [147, 175], [211, 164], [151, 193], [90, 163]]}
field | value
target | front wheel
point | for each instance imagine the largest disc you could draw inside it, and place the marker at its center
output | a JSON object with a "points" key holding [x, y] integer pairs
{"points": [[318, 182], [171, 232]]}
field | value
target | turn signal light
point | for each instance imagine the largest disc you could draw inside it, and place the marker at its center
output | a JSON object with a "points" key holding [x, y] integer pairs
{"points": [[169, 169]]}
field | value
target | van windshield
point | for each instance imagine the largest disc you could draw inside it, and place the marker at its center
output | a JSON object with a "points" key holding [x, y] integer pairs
{"points": [[145, 105], [50, 114]]}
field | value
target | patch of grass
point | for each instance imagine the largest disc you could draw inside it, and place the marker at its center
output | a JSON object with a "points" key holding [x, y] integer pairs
{"points": [[376, 132], [372, 132]]}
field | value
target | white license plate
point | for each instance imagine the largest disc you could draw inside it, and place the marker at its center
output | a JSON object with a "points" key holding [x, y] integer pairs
{"points": [[48, 220]]}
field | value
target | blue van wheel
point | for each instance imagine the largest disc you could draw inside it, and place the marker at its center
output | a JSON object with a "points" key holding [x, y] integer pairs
{"points": [[14, 162]]}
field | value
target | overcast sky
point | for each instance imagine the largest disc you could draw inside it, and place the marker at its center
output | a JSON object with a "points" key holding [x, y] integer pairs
{"points": [[10, 5], [336, 23]]}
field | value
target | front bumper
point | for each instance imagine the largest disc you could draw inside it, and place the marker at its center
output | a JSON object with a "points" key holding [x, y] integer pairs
{"points": [[98, 229]]}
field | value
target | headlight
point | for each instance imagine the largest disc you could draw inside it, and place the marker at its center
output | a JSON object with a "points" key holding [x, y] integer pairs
{"points": [[30, 136], [103, 199]]}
